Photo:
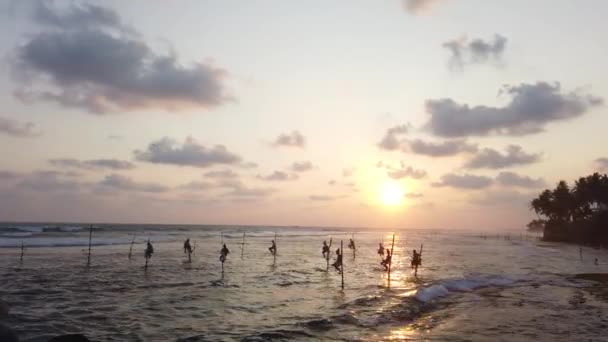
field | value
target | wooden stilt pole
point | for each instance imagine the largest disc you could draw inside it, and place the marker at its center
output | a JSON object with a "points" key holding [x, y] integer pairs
{"points": [[22, 251], [90, 238], [328, 254], [274, 254], [342, 265], [131, 248], [391, 261], [243, 246]]}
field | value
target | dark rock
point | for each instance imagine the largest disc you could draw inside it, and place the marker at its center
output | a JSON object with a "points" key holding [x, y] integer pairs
{"points": [[4, 308], [7, 334], [70, 338]]}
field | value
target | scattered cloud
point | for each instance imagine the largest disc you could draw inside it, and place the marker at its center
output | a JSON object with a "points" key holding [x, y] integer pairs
{"points": [[18, 129], [476, 51], [223, 174], [89, 60], [532, 106], [50, 181], [115, 137], [324, 198], [405, 171], [349, 172], [332, 182], [191, 153], [491, 159], [293, 139], [512, 179], [466, 181], [413, 195], [197, 186], [278, 176], [122, 183], [240, 190], [8, 175], [602, 163], [391, 141], [442, 149], [77, 16], [498, 198], [418, 7], [94, 164], [301, 166]]}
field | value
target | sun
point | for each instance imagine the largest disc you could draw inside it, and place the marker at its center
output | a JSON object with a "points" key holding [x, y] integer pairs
{"points": [[391, 194]]}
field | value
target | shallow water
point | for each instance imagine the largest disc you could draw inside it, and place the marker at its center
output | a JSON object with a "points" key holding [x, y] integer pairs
{"points": [[469, 288]]}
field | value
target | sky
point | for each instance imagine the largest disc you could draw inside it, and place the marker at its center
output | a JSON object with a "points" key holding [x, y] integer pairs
{"points": [[392, 114]]}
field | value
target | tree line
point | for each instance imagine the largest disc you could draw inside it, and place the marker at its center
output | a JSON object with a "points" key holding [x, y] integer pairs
{"points": [[574, 214]]}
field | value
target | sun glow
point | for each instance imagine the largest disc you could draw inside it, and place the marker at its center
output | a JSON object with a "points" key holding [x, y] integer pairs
{"points": [[391, 194]]}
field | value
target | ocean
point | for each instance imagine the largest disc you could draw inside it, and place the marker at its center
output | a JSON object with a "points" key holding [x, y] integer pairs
{"points": [[472, 286]]}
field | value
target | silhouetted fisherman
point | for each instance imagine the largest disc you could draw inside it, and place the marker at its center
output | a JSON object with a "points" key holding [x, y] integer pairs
{"points": [[149, 250], [224, 253], [273, 248], [387, 260], [325, 250], [580, 252], [381, 249], [188, 249], [596, 262], [351, 244], [148, 253], [416, 261], [338, 263]]}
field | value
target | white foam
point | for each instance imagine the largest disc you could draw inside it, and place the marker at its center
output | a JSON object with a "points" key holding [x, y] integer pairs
{"points": [[461, 285], [16, 234], [30, 229], [431, 292]]}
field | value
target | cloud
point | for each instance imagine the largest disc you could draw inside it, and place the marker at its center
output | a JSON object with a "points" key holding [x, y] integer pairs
{"points": [[348, 172], [476, 51], [413, 195], [293, 139], [122, 183], [418, 6], [443, 149], [112, 164], [8, 175], [223, 174], [491, 159], [115, 137], [332, 182], [278, 176], [301, 166], [18, 129], [391, 141], [532, 106], [240, 190], [90, 61], [50, 181], [324, 198], [497, 198], [512, 179], [405, 171], [197, 186], [602, 163], [465, 181], [191, 153], [77, 16]]}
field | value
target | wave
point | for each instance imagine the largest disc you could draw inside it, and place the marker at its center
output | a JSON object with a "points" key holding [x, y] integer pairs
{"points": [[445, 287]]}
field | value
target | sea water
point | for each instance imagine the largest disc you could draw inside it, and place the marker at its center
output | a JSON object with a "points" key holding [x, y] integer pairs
{"points": [[471, 287]]}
